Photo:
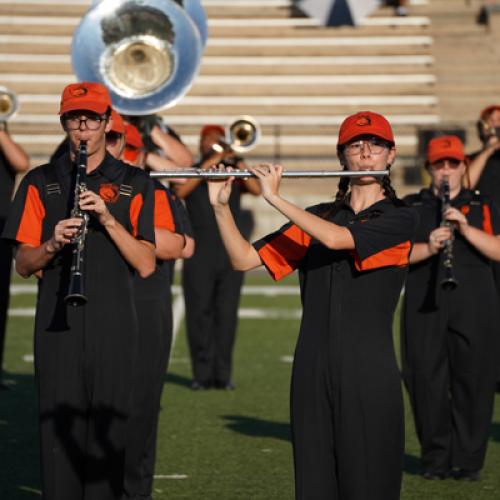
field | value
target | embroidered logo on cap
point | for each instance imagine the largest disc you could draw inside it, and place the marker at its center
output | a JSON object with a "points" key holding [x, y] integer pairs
{"points": [[79, 91], [363, 121], [109, 192], [447, 143]]}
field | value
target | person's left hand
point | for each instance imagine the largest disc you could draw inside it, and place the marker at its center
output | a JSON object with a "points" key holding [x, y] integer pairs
{"points": [[94, 204], [270, 178], [456, 217]]}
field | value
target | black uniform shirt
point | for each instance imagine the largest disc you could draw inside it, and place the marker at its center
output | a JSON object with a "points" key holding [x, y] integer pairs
{"points": [[470, 267], [489, 182], [480, 213], [165, 217], [45, 197], [351, 294], [209, 244]]}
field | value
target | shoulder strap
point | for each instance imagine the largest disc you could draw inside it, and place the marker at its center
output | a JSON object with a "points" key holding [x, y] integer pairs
{"points": [[52, 185], [126, 188]]}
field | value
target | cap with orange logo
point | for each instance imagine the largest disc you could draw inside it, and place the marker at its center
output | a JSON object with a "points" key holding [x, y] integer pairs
{"points": [[88, 96], [365, 123], [445, 146]]}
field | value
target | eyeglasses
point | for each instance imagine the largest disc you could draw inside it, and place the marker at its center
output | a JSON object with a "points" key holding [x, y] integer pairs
{"points": [[451, 162], [74, 122], [375, 146]]}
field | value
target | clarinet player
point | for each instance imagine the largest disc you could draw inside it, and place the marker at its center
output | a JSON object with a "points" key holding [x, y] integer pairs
{"points": [[84, 354], [449, 317]]}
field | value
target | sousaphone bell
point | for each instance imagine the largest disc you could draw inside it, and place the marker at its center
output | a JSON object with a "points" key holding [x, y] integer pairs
{"points": [[146, 52]]}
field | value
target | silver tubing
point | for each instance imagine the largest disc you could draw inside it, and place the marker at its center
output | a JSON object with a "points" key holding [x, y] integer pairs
{"points": [[243, 174]]}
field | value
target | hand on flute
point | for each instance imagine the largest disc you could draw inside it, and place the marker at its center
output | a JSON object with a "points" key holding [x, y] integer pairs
{"points": [[270, 179], [219, 190]]}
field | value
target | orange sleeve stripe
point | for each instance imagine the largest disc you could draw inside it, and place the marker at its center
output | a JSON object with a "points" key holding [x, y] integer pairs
{"points": [[282, 255], [163, 218], [30, 227], [487, 227], [135, 210], [397, 255]]}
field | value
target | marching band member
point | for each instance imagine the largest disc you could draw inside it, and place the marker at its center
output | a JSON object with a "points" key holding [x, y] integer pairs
{"points": [[448, 329], [346, 402], [83, 355], [153, 301], [211, 287]]}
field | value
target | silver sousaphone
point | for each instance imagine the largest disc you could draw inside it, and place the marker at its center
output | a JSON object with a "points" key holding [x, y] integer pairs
{"points": [[146, 52]]}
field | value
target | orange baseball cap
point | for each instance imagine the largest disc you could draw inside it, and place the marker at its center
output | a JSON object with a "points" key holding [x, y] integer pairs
{"points": [[118, 125], [365, 123], [210, 127], [445, 146], [486, 112], [88, 96], [133, 136]]}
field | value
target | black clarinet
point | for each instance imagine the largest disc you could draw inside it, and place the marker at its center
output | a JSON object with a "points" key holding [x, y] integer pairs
{"points": [[448, 282], [76, 290]]}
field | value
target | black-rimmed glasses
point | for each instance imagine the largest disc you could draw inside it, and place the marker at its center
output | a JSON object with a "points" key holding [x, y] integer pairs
{"points": [[74, 122]]}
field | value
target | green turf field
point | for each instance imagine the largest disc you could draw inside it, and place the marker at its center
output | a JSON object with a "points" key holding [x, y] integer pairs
{"points": [[213, 444]]}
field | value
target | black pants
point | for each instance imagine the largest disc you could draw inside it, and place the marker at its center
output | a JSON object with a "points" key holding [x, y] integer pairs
{"points": [[155, 320], [5, 271], [347, 417], [84, 385], [449, 371], [212, 296]]}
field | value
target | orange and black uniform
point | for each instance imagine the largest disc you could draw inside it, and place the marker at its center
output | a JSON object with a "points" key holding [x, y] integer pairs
{"points": [[7, 178], [153, 299], [448, 339], [84, 356], [346, 402], [211, 291]]}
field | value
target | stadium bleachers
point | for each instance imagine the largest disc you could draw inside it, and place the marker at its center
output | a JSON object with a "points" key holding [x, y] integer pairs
{"points": [[297, 78]]}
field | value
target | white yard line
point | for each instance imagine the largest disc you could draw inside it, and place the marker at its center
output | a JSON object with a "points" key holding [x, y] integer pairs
{"points": [[178, 311], [171, 476], [21, 312]]}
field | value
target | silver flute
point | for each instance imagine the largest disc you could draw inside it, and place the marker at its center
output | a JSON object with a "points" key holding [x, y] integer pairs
{"points": [[200, 173]]}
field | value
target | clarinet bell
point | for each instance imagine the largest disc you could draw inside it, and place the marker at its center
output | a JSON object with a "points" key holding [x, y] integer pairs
{"points": [[449, 284], [76, 296]]}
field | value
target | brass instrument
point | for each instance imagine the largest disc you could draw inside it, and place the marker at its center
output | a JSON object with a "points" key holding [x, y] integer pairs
{"points": [[146, 52], [242, 135], [8, 104], [243, 174], [448, 282], [76, 289]]}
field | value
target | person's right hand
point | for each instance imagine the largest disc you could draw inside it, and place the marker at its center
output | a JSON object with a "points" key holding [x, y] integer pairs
{"points": [[212, 160], [438, 237], [64, 231], [219, 190]]}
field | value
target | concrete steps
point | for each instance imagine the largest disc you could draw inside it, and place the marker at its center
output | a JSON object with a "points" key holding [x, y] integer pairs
{"points": [[298, 79]]}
